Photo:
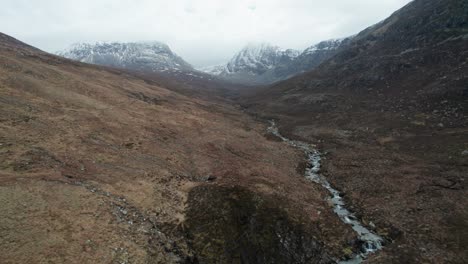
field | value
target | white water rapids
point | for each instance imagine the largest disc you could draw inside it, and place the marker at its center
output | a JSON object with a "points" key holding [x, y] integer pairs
{"points": [[371, 241]]}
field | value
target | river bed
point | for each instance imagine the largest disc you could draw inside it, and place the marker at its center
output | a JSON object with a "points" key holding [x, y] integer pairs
{"points": [[371, 242]]}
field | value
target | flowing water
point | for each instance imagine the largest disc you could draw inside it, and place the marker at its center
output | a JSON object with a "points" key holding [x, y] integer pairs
{"points": [[371, 241]]}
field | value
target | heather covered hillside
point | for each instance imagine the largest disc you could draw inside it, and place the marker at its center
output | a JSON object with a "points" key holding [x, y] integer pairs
{"points": [[348, 146]]}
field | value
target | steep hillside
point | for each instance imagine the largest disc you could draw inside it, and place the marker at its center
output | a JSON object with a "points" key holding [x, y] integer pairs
{"points": [[391, 112], [98, 165], [419, 49]]}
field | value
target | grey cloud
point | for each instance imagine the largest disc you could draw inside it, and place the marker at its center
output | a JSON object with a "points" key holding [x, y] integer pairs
{"points": [[204, 32]]}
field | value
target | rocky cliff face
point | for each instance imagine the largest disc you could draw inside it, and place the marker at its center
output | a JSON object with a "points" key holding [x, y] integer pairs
{"points": [[137, 56]]}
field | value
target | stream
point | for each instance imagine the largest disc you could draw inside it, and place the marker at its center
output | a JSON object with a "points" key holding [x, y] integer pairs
{"points": [[371, 241]]}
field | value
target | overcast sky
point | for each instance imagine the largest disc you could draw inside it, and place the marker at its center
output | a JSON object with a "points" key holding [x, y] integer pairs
{"points": [[203, 32]]}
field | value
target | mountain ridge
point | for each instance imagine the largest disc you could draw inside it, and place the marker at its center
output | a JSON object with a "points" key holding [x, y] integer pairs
{"points": [[251, 62], [148, 56], [260, 64]]}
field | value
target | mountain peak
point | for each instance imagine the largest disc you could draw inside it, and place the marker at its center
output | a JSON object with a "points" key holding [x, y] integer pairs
{"points": [[263, 63], [152, 56], [253, 60]]}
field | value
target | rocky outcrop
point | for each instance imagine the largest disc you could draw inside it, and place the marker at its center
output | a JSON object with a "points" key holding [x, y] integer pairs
{"points": [[239, 226]]}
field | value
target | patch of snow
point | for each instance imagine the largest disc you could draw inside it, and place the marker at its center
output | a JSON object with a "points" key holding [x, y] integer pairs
{"points": [[327, 45]]}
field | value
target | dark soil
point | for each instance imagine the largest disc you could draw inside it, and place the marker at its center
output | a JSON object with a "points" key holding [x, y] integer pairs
{"points": [[234, 225]]}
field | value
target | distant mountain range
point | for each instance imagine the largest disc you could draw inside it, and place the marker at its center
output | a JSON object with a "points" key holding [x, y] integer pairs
{"points": [[138, 56], [265, 63], [256, 64]]}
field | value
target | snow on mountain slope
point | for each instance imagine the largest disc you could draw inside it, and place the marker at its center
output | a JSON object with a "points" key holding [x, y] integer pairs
{"points": [[254, 60], [312, 57], [257, 59], [326, 45], [265, 64], [141, 56]]}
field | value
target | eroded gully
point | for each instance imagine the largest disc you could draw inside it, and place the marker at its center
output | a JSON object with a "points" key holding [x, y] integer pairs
{"points": [[371, 242]]}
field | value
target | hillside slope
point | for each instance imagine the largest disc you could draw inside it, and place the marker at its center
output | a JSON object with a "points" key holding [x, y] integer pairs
{"points": [[418, 51], [98, 165], [391, 112]]}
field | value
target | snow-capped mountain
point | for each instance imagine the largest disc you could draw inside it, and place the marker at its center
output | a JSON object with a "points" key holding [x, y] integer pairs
{"points": [[257, 59], [140, 56], [264, 63], [254, 60]]}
